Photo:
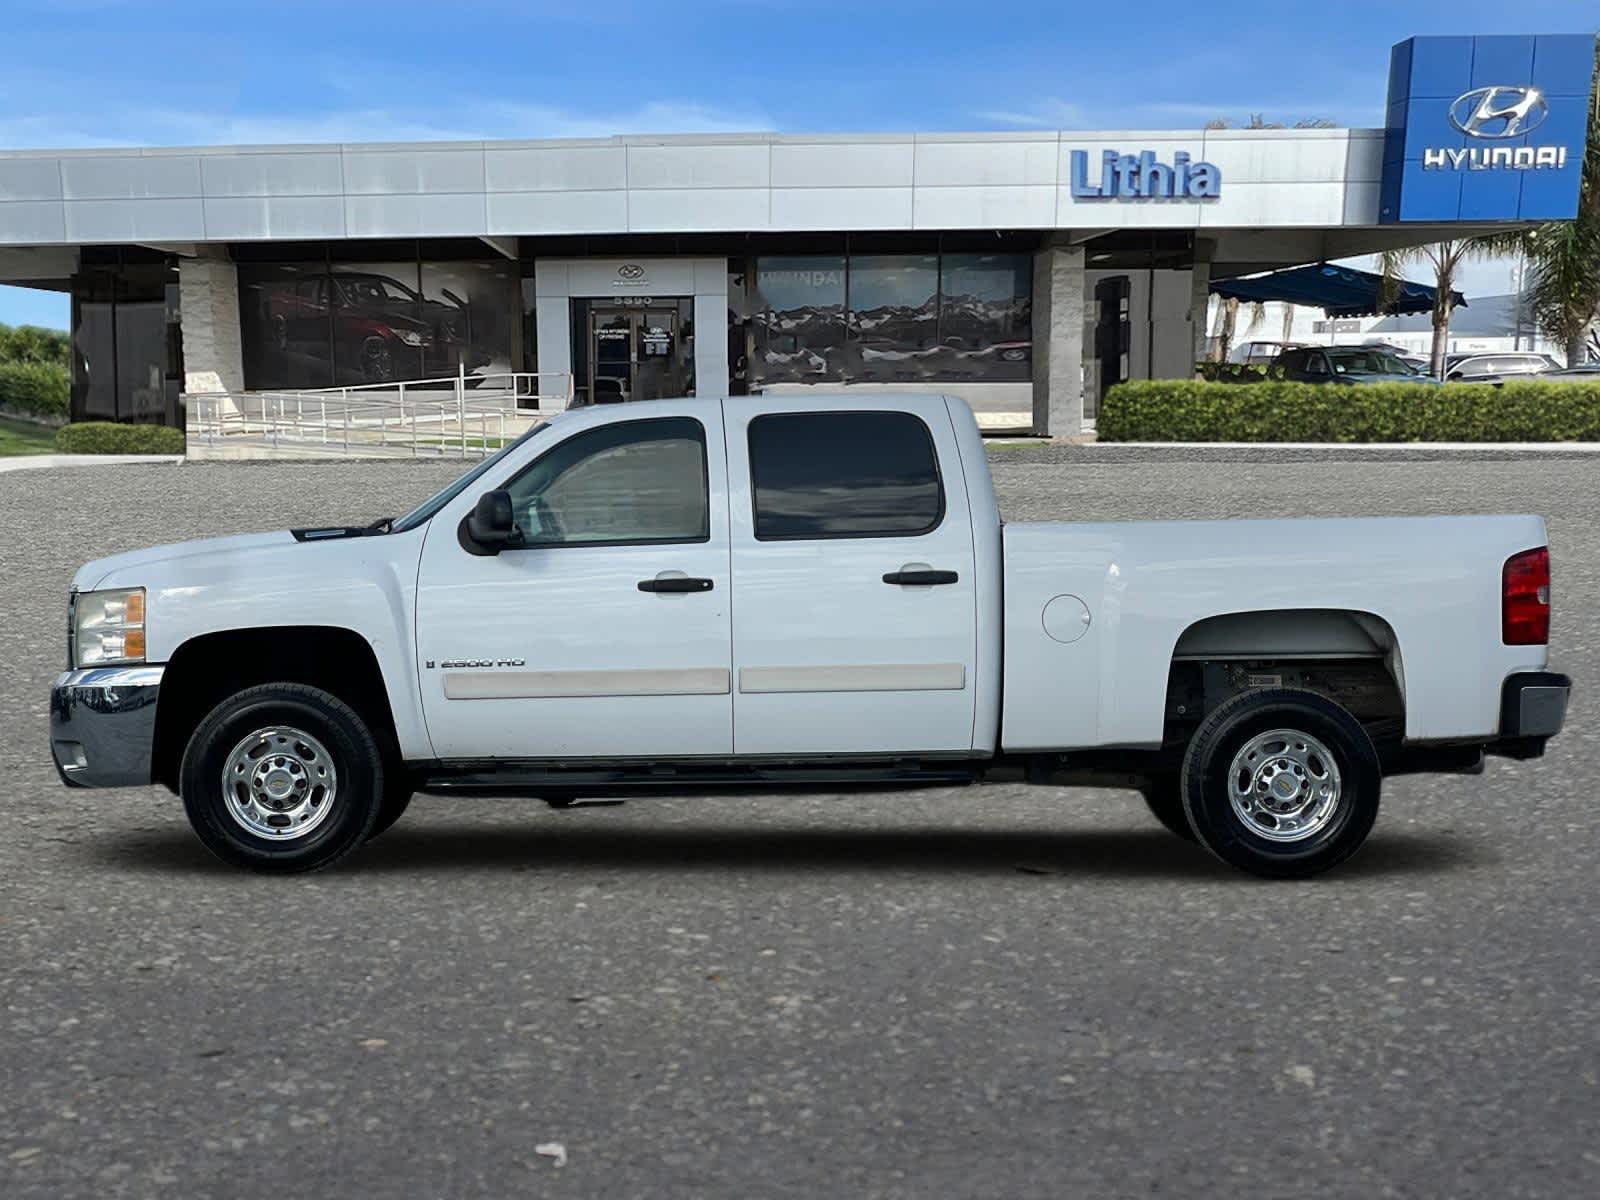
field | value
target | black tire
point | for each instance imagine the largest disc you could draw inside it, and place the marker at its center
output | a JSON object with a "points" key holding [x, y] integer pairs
{"points": [[1324, 843], [1163, 795], [350, 748], [397, 796]]}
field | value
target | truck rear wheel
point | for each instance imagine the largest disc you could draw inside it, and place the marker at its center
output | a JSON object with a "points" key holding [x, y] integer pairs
{"points": [[1281, 782], [281, 778]]}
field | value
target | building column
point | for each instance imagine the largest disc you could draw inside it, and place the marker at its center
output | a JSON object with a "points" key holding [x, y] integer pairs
{"points": [[552, 318], [711, 327], [208, 299], [1058, 306]]}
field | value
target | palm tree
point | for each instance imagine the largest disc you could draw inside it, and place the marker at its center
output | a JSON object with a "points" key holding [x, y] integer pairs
{"points": [[1445, 258], [1227, 322]]}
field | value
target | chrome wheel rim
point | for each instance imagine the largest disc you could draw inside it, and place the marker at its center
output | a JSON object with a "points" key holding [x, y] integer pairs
{"points": [[279, 783], [1284, 785]]}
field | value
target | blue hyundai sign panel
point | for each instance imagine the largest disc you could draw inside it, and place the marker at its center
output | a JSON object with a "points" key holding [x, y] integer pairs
{"points": [[1486, 128]]}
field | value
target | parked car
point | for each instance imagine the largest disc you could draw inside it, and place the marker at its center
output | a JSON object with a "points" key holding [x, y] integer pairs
{"points": [[1417, 362], [382, 328], [1586, 373], [773, 592], [1259, 353], [1344, 364], [1496, 366]]}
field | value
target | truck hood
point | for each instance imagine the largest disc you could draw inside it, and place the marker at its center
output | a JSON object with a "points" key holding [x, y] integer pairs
{"points": [[92, 574]]}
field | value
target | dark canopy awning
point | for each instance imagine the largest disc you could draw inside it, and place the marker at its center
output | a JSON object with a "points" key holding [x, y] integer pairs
{"points": [[1338, 291]]}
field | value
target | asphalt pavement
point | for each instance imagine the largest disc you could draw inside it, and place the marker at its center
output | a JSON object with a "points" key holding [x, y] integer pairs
{"points": [[1005, 992]]}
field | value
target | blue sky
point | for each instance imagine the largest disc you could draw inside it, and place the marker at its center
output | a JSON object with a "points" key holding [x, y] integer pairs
{"points": [[148, 72]]}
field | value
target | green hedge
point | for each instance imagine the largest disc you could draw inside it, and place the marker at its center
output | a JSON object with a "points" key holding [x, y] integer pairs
{"points": [[34, 390], [108, 437], [1186, 410]]}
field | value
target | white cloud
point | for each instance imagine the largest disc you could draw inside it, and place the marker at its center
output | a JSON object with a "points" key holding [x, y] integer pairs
{"points": [[461, 119], [1047, 112]]}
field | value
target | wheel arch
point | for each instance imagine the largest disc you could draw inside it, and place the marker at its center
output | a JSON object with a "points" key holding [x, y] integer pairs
{"points": [[207, 668], [1301, 633], [1329, 638]]}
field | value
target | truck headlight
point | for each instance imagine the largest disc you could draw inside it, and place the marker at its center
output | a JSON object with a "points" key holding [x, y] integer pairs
{"points": [[108, 627], [410, 337]]}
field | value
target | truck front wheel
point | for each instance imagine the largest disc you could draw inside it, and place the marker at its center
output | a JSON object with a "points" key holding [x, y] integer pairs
{"points": [[1163, 795], [282, 777], [397, 795], [1281, 782]]}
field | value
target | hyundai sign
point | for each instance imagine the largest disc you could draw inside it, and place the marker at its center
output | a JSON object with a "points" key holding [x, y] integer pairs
{"points": [[1486, 128]]}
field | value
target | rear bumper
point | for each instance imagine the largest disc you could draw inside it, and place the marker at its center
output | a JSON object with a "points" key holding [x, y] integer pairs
{"points": [[103, 725], [1533, 705]]}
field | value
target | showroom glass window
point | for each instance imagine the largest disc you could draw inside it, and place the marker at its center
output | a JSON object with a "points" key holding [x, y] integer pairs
{"points": [[392, 317], [843, 475], [900, 317], [624, 483], [127, 360], [894, 317], [799, 319], [985, 316]]}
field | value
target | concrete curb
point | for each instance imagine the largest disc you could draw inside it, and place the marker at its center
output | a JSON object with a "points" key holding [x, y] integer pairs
{"points": [[1360, 447], [31, 462]]}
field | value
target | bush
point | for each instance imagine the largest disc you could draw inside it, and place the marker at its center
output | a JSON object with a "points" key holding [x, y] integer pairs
{"points": [[31, 344], [34, 390], [1186, 410], [108, 437]]}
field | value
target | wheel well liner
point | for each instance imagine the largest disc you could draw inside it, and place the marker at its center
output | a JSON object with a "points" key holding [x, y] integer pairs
{"points": [[1315, 641], [205, 670]]}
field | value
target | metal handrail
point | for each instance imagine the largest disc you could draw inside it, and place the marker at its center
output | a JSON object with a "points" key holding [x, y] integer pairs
{"points": [[404, 416]]}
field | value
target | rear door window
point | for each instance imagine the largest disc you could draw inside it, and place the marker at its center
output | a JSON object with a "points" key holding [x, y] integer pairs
{"points": [[843, 475], [1515, 364]]}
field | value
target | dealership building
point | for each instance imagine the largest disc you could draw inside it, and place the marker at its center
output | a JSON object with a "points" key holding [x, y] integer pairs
{"points": [[1026, 271]]}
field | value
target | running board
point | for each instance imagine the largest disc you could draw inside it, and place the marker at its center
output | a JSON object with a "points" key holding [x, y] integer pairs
{"points": [[579, 779]]}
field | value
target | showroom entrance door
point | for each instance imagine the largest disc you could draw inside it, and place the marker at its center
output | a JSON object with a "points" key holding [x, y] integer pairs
{"points": [[636, 353]]}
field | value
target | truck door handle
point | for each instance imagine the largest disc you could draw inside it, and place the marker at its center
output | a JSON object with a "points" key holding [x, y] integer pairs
{"points": [[920, 577], [674, 583]]}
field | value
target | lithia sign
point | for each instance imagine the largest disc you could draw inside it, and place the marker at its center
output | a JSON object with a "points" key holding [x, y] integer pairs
{"points": [[1143, 177]]}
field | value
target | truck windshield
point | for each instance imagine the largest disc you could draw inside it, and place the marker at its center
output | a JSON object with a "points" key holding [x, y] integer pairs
{"points": [[439, 499]]}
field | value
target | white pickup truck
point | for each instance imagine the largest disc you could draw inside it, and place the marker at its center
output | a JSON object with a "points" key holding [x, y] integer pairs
{"points": [[775, 592]]}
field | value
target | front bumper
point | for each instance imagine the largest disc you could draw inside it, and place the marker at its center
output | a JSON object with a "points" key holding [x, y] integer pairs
{"points": [[1533, 706], [103, 725]]}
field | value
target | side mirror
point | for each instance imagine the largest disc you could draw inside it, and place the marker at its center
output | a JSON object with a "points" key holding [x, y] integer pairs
{"points": [[491, 522]]}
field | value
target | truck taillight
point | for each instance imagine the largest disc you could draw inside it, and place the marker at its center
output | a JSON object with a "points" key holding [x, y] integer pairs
{"points": [[1525, 598]]}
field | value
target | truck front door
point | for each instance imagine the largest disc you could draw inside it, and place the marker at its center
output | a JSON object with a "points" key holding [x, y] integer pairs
{"points": [[854, 590], [604, 631]]}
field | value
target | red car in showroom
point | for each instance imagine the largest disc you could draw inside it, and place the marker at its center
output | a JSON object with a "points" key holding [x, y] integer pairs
{"points": [[381, 329]]}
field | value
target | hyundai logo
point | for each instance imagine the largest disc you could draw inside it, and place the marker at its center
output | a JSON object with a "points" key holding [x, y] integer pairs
{"points": [[630, 271], [1499, 112]]}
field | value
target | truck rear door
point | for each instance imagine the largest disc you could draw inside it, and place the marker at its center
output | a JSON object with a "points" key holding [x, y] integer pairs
{"points": [[853, 577]]}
